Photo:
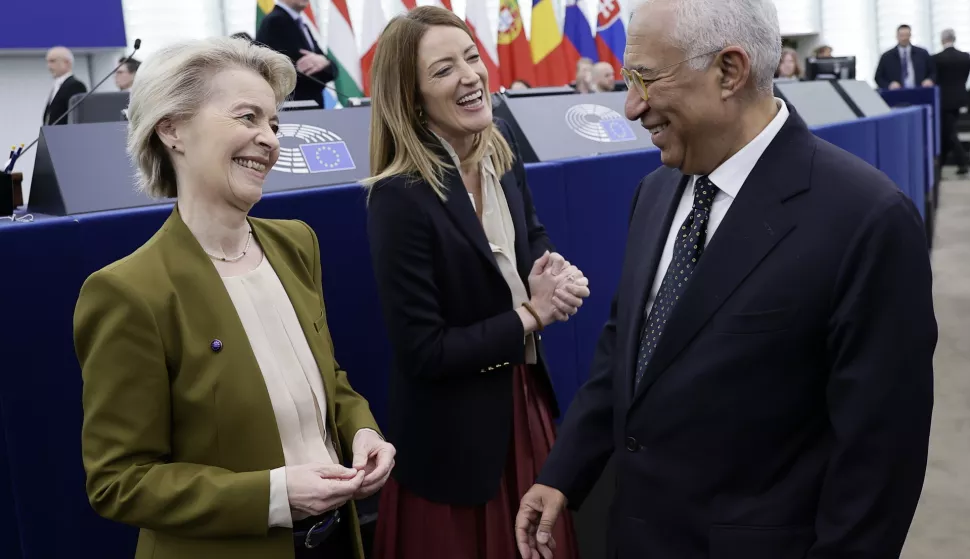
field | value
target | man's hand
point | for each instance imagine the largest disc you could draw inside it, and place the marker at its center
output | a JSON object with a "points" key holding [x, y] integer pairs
{"points": [[311, 62], [375, 457], [927, 83], [537, 516], [895, 85]]}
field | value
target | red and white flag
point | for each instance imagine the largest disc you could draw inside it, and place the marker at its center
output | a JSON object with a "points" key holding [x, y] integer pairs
{"points": [[374, 23], [476, 16]]}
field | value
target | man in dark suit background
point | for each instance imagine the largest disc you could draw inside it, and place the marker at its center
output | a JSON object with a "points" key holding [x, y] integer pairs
{"points": [[286, 30], [60, 62], [905, 65], [952, 70], [764, 382]]}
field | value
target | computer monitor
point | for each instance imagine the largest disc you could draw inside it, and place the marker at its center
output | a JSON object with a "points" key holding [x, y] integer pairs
{"points": [[99, 107], [840, 68]]}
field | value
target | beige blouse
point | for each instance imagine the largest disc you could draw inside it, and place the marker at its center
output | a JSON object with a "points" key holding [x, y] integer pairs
{"points": [[500, 232], [291, 374]]}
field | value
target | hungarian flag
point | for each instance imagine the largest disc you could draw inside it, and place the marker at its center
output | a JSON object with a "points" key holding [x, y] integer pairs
{"points": [[610, 34], [342, 51], [546, 42], [514, 54], [476, 16], [374, 23]]}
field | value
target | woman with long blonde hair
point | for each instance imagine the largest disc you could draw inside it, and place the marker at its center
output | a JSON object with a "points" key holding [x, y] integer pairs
{"points": [[467, 277]]}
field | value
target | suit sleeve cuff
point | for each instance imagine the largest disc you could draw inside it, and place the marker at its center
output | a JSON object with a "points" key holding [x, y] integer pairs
{"points": [[279, 500], [372, 431]]}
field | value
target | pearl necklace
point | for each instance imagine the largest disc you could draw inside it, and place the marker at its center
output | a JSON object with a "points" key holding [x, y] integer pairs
{"points": [[249, 241]]}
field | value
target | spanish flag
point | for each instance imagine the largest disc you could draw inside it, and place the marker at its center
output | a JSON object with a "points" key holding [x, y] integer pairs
{"points": [[547, 49]]}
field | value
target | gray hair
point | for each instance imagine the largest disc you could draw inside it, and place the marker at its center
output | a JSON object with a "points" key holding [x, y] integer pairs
{"points": [[174, 83], [703, 26], [948, 36]]}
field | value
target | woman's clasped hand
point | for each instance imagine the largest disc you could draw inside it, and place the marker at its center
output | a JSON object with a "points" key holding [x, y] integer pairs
{"points": [[558, 288]]}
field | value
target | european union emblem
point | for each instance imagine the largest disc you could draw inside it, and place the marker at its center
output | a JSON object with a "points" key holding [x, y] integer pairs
{"points": [[329, 156], [618, 130]]}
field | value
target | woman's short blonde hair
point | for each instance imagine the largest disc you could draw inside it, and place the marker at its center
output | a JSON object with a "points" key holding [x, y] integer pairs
{"points": [[400, 141], [173, 84]]}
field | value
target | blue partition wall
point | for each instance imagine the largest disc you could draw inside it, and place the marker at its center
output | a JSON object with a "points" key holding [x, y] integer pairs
{"points": [[584, 203]]}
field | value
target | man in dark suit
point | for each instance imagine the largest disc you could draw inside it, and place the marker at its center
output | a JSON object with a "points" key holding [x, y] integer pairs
{"points": [[60, 62], [905, 65], [764, 382], [953, 70], [286, 30]]}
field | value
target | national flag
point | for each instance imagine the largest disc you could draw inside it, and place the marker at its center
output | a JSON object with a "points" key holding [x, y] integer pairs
{"points": [[263, 8], [546, 42], [374, 24], [342, 51], [578, 41], [399, 7], [514, 54], [446, 4], [327, 156], [610, 34], [476, 16]]}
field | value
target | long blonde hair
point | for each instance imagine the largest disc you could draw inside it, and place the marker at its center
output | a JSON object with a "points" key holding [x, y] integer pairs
{"points": [[400, 141]]}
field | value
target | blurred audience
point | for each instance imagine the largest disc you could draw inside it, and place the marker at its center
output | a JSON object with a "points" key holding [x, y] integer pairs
{"points": [[287, 30], [604, 78], [520, 84], [952, 70], [823, 51], [789, 67], [60, 63], [905, 65], [584, 76], [125, 76]]}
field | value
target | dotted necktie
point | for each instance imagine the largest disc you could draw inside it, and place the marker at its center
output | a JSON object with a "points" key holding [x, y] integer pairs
{"points": [[687, 251]]}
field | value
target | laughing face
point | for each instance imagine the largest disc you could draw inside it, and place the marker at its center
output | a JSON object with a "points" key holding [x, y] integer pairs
{"points": [[226, 150], [454, 84]]}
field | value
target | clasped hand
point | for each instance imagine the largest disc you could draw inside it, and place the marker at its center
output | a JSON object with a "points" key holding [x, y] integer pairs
{"points": [[558, 288], [311, 62], [314, 489]]}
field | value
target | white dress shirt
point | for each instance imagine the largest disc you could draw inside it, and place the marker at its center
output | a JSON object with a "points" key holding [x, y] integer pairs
{"points": [[906, 53], [301, 21], [500, 232], [58, 82], [728, 178], [291, 374]]}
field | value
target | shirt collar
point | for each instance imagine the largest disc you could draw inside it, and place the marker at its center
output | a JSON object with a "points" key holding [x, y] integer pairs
{"points": [[298, 16], [58, 82], [730, 176], [486, 161], [904, 49]]}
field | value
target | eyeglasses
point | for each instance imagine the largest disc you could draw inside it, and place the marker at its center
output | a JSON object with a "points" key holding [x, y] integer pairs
{"points": [[634, 80]]}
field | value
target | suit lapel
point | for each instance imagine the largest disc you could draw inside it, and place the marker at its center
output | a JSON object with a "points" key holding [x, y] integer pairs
{"points": [[462, 213], [757, 221], [652, 217]]}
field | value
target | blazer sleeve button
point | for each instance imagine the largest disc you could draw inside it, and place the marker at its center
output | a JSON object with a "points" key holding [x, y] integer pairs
{"points": [[632, 445]]}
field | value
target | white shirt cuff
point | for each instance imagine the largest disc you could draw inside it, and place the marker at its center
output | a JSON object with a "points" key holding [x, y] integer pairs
{"points": [[371, 430], [279, 500]]}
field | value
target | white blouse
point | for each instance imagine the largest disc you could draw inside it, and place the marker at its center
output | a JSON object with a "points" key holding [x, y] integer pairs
{"points": [[291, 374], [500, 232]]}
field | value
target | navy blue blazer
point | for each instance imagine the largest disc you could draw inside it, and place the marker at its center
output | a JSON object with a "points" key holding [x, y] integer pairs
{"points": [[453, 329], [786, 411], [890, 68]]}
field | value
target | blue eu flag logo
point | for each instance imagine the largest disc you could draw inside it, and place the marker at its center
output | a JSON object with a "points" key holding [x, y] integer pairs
{"points": [[618, 130], [329, 156]]}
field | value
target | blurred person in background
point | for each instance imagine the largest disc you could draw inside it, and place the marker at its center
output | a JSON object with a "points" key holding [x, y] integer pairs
{"points": [[125, 75], [584, 76], [905, 65], [604, 78], [952, 70], [287, 30], [60, 63], [789, 67]]}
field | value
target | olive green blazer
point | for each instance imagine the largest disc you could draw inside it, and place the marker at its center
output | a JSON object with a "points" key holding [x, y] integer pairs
{"points": [[179, 439]]}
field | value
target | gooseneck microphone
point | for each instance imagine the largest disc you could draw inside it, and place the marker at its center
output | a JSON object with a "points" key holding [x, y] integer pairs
{"points": [[93, 89]]}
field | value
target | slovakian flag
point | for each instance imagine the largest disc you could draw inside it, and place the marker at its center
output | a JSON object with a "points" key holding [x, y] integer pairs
{"points": [[514, 53], [476, 17], [610, 34], [547, 48], [578, 41]]}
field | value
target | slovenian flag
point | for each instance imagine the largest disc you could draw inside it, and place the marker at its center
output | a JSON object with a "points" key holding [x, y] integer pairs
{"points": [[610, 34], [579, 41]]}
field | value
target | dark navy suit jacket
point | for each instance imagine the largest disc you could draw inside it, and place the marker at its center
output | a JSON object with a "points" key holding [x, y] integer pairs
{"points": [[890, 68], [786, 411]]}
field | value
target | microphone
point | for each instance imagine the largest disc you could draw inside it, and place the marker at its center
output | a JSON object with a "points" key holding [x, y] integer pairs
{"points": [[86, 95]]}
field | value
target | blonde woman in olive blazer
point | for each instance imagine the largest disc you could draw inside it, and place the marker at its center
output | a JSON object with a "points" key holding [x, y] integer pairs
{"points": [[187, 433]]}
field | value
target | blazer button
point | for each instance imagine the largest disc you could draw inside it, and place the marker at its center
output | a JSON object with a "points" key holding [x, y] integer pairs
{"points": [[632, 445]]}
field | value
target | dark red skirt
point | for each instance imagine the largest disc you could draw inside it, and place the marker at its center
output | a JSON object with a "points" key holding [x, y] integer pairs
{"points": [[410, 527]]}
